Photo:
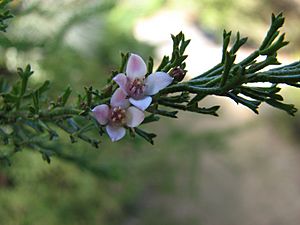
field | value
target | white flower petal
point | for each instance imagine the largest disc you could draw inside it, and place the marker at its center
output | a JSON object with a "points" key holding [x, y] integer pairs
{"points": [[121, 80], [142, 104], [115, 132], [134, 116], [101, 113], [119, 98], [136, 67], [156, 82]]}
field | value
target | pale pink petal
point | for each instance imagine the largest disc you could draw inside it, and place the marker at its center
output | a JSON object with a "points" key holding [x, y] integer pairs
{"points": [[101, 113], [142, 104], [121, 80], [156, 82], [134, 116], [119, 98], [136, 67], [115, 132]]}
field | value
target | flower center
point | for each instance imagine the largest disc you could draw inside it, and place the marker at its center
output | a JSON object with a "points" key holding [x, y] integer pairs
{"points": [[136, 88], [118, 116]]}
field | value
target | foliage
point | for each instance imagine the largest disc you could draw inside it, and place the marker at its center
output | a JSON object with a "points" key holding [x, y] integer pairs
{"points": [[30, 119], [4, 14], [70, 191]]}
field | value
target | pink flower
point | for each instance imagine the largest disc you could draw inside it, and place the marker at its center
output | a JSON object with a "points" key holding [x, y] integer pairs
{"points": [[138, 87], [118, 115]]}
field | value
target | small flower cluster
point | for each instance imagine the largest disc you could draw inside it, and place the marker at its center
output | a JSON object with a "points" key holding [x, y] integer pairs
{"points": [[131, 99]]}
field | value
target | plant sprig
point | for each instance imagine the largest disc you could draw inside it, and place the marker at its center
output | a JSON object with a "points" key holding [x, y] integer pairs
{"points": [[230, 78], [29, 119]]}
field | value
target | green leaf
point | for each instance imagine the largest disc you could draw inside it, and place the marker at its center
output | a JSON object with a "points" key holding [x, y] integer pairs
{"points": [[65, 96], [226, 40], [276, 23], [52, 133], [151, 118], [4, 86], [238, 43], [36, 101], [228, 62], [150, 65], [124, 58], [253, 105], [10, 98], [289, 108], [163, 63], [272, 49], [211, 110], [4, 15], [25, 74], [147, 136], [196, 99], [161, 112], [260, 95], [44, 87]]}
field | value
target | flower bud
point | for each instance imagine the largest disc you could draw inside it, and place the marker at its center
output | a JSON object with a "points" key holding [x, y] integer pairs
{"points": [[178, 74]]}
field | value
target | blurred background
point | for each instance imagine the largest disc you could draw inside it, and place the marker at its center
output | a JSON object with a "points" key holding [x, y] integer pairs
{"points": [[238, 168]]}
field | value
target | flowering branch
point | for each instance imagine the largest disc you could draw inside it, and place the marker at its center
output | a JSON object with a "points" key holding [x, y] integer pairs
{"points": [[137, 94]]}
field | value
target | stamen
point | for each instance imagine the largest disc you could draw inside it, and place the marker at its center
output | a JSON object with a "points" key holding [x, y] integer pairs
{"points": [[136, 88], [118, 116]]}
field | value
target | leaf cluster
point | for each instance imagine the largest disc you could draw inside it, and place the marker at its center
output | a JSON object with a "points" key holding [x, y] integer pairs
{"points": [[29, 119], [231, 79], [5, 14]]}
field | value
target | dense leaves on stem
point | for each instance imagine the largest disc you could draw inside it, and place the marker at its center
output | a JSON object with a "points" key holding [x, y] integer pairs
{"points": [[231, 79], [29, 119]]}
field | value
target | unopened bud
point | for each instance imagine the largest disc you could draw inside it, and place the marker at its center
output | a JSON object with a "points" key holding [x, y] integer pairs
{"points": [[178, 74]]}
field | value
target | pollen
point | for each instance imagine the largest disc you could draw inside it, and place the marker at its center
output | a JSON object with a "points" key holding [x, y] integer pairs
{"points": [[137, 88], [118, 116]]}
